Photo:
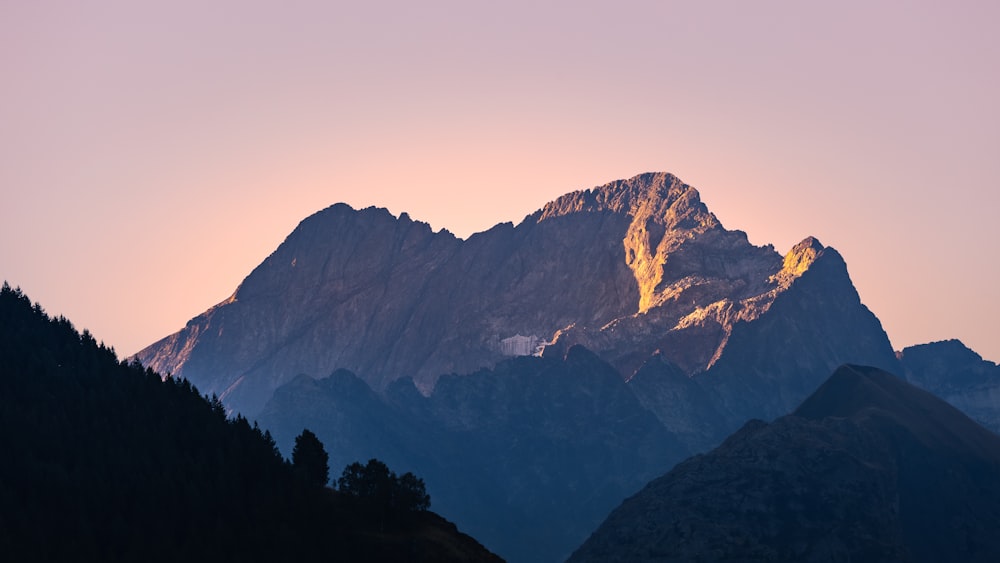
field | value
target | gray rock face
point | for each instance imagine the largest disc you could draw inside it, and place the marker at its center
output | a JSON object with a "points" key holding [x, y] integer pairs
{"points": [[869, 468], [631, 269], [958, 375]]}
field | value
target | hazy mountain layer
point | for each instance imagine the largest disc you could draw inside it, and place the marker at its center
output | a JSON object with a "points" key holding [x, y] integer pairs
{"points": [[528, 457], [868, 468]]}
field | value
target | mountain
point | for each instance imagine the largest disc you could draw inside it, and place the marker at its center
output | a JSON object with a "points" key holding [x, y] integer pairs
{"points": [[868, 468], [632, 269], [528, 456], [958, 375], [107, 461], [422, 344]]}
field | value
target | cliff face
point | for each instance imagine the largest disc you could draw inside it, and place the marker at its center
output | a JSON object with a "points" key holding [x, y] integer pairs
{"points": [[630, 269], [868, 468]]}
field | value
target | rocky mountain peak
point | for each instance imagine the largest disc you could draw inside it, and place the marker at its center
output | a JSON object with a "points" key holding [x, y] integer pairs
{"points": [[802, 255], [659, 196], [799, 259], [664, 214], [625, 269]]}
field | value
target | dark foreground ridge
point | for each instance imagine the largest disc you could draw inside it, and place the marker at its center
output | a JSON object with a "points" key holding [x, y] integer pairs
{"points": [[868, 468], [104, 461]]}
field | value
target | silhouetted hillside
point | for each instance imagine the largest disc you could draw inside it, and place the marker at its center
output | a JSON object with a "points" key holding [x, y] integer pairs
{"points": [[103, 461]]}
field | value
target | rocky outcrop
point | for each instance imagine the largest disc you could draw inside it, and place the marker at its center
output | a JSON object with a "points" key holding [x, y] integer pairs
{"points": [[527, 457], [958, 375], [868, 468], [630, 269], [769, 365]]}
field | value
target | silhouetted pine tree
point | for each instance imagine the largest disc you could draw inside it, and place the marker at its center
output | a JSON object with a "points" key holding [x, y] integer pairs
{"points": [[310, 460]]}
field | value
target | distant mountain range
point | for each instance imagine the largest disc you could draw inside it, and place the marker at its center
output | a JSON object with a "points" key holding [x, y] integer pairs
{"points": [[659, 333], [868, 468]]}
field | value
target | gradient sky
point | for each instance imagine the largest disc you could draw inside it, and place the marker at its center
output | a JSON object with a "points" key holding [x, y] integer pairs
{"points": [[153, 153]]}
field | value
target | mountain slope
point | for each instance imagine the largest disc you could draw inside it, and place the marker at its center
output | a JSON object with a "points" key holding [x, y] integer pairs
{"points": [[630, 269], [868, 468]]}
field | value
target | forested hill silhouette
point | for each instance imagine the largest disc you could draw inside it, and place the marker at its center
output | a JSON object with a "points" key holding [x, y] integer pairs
{"points": [[106, 461]]}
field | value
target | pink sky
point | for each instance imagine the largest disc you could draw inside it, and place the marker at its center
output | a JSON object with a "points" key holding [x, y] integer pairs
{"points": [[153, 153]]}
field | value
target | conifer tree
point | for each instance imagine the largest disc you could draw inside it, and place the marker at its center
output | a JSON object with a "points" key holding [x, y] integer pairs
{"points": [[310, 459]]}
